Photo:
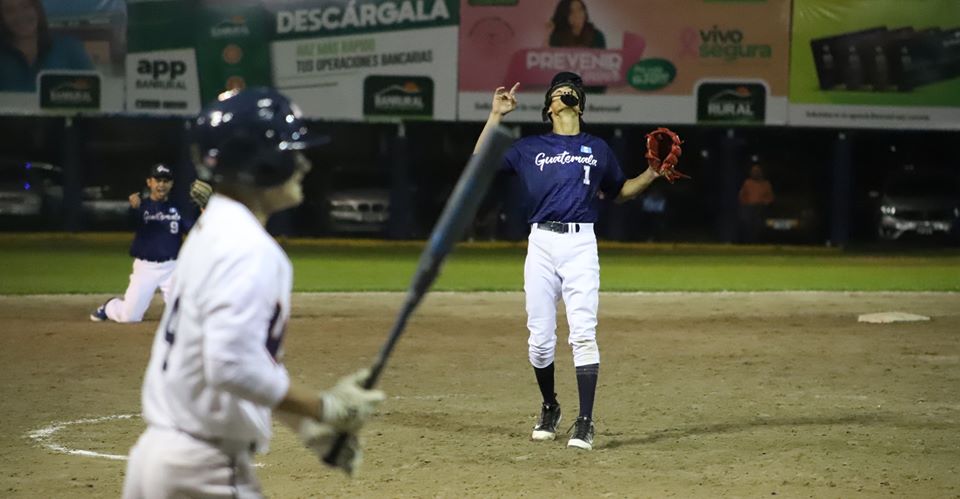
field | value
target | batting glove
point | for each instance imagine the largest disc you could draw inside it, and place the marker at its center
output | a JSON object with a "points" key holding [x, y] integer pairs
{"points": [[347, 405], [320, 438]]}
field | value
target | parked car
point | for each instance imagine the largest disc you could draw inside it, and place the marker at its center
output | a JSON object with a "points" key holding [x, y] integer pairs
{"points": [[31, 197], [358, 210], [793, 217], [919, 203], [29, 193]]}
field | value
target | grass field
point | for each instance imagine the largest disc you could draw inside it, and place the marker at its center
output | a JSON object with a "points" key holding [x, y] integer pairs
{"points": [[98, 263]]}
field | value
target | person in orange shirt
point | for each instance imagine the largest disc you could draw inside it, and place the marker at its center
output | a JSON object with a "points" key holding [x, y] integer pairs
{"points": [[756, 194]]}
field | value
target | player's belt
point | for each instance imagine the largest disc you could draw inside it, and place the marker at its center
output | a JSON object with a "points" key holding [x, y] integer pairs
{"points": [[562, 227], [155, 261], [228, 446]]}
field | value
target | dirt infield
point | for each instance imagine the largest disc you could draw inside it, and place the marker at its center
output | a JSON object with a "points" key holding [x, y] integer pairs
{"points": [[701, 395]]}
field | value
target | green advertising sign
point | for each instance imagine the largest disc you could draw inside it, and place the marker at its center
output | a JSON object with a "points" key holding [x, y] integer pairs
{"points": [[232, 47], [160, 24], [887, 63], [407, 96], [70, 91], [731, 103]]}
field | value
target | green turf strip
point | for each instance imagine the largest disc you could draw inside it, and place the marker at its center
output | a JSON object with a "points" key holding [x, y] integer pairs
{"points": [[99, 264]]}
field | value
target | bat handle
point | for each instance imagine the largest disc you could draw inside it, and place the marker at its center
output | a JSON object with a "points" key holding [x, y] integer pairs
{"points": [[331, 457], [334, 454]]}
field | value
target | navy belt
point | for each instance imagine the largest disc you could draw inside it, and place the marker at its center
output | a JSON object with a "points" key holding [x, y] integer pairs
{"points": [[559, 227]]}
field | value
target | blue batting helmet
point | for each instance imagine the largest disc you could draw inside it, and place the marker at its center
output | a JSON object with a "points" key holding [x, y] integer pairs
{"points": [[249, 137]]}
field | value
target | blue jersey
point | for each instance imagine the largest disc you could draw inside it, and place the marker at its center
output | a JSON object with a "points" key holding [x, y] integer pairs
{"points": [[160, 230], [562, 174]]}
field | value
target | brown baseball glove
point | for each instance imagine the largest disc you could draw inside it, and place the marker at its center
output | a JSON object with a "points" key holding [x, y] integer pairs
{"points": [[663, 153], [200, 193]]}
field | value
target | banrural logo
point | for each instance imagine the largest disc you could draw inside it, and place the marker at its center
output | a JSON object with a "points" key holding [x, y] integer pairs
{"points": [[69, 91], [233, 27], [398, 96], [731, 102]]}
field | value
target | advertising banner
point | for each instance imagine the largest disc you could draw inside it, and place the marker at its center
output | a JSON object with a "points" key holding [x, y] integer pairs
{"points": [[162, 74], [232, 42], [655, 61], [366, 59], [876, 63], [62, 56]]}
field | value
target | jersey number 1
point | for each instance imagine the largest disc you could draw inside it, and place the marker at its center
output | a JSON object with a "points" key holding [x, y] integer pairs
{"points": [[586, 174]]}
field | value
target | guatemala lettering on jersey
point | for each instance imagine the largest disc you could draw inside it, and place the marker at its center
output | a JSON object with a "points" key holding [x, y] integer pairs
{"points": [[160, 230], [562, 174]]}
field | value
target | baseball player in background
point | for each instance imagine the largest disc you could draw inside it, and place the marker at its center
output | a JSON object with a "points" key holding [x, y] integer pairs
{"points": [[564, 172], [215, 374], [161, 226]]}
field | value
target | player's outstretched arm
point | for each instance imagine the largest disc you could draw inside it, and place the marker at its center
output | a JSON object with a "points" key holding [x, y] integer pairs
{"points": [[636, 185], [504, 101]]}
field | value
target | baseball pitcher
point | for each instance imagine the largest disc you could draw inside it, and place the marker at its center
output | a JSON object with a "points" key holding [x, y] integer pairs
{"points": [[216, 372], [565, 173]]}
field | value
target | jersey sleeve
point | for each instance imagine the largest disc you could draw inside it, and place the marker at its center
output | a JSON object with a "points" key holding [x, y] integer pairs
{"points": [[187, 220], [511, 159], [613, 178], [239, 314]]}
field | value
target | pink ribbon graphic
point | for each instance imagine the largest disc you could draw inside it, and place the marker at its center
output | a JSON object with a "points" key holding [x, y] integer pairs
{"points": [[597, 67], [689, 43]]}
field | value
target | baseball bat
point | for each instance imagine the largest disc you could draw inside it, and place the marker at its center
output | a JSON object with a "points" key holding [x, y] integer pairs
{"points": [[457, 214]]}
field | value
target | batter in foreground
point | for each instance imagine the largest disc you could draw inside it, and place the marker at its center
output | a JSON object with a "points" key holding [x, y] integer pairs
{"points": [[216, 374]]}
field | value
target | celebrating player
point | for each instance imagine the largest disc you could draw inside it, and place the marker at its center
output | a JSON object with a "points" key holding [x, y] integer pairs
{"points": [[160, 229], [215, 373], [564, 171]]}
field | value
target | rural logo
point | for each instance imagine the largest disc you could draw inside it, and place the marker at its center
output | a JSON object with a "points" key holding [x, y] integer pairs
{"points": [[234, 27], [731, 102], [398, 96], [69, 90]]}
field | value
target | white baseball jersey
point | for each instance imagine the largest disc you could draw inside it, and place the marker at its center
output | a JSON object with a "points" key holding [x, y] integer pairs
{"points": [[215, 368]]}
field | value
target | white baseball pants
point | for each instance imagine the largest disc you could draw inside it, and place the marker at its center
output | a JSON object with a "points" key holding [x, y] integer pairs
{"points": [[167, 463], [567, 266], [144, 281]]}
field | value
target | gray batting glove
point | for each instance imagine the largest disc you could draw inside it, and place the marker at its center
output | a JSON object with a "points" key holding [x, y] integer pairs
{"points": [[320, 438], [347, 405]]}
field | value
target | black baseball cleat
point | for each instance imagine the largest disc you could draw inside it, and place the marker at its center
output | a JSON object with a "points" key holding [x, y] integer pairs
{"points": [[582, 437], [546, 428], [100, 314]]}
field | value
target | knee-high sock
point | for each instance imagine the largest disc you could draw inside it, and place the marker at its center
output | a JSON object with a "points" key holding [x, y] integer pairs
{"points": [[587, 387], [545, 382]]}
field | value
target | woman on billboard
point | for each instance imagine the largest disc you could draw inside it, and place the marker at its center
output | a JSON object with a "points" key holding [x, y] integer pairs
{"points": [[27, 47], [570, 26]]}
